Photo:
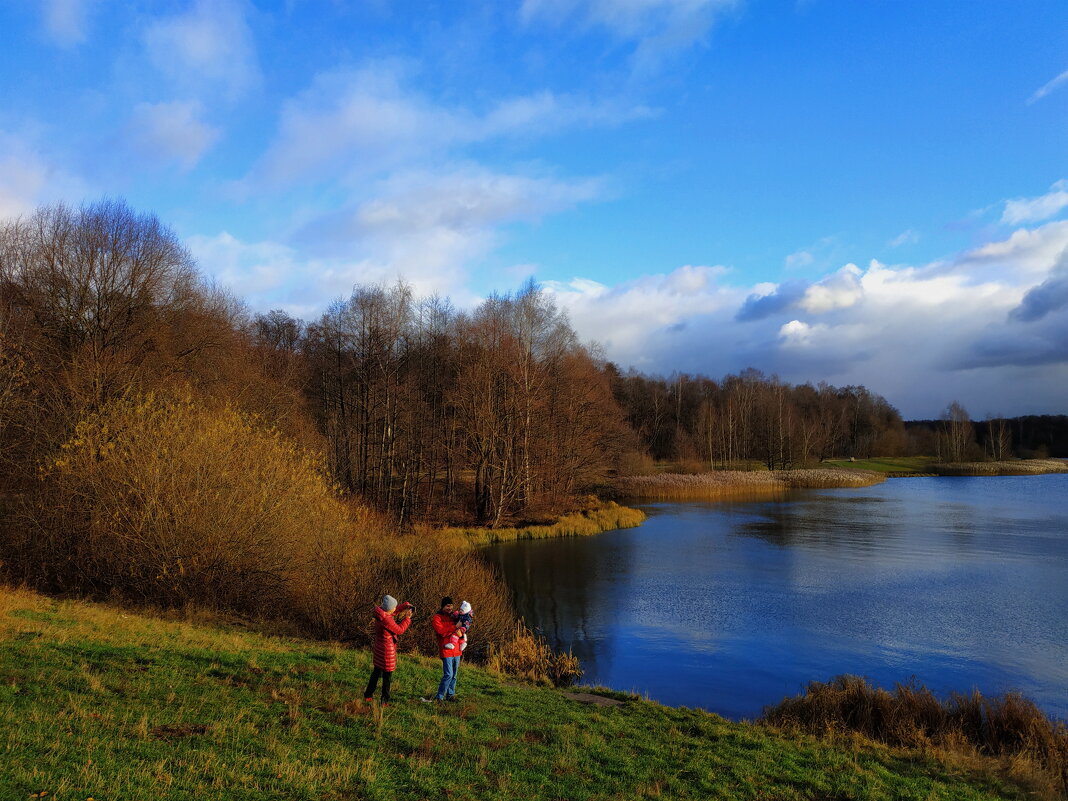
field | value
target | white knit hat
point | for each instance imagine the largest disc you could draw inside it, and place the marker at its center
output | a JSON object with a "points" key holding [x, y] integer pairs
{"points": [[465, 607], [389, 603]]}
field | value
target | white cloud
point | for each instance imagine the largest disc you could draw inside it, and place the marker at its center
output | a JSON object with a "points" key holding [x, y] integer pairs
{"points": [[66, 21], [210, 47], [367, 121], [906, 237], [28, 178], [838, 291], [172, 131], [1037, 209], [799, 259], [431, 229], [1056, 83], [1027, 251], [628, 317], [658, 26]]}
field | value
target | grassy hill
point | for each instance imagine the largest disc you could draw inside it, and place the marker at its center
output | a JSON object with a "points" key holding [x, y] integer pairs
{"points": [[100, 703]]}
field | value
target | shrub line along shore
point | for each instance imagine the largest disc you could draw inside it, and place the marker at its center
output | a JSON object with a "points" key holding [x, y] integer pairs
{"points": [[104, 703]]}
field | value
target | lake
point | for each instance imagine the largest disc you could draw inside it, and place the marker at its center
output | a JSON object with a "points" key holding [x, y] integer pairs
{"points": [[960, 582]]}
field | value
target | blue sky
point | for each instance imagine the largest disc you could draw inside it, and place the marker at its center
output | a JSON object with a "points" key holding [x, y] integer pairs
{"points": [[857, 191]]}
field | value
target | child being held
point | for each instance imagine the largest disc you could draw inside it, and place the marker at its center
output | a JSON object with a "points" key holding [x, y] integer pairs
{"points": [[457, 641]]}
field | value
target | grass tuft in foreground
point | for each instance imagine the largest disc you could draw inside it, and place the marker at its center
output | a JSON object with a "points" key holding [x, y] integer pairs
{"points": [[97, 702]]}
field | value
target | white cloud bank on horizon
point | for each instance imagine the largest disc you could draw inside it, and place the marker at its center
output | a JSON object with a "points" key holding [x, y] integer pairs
{"points": [[988, 327]]}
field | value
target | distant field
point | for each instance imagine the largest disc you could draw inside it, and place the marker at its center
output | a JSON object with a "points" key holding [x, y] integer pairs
{"points": [[105, 704], [888, 464]]}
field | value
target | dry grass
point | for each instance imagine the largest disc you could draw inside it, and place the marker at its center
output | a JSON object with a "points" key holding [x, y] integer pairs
{"points": [[1009, 467], [601, 517], [528, 656], [739, 485], [1008, 729]]}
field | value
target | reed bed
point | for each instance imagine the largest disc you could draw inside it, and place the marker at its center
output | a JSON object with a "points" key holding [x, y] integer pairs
{"points": [[742, 485], [1007, 728], [1009, 467], [607, 516]]}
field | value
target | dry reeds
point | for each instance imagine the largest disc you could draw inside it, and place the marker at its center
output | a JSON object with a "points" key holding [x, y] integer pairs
{"points": [[606, 516], [740, 485], [528, 656], [1008, 467], [1008, 728]]}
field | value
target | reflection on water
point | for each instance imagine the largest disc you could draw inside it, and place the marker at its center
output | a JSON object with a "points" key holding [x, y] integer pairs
{"points": [[961, 582]]}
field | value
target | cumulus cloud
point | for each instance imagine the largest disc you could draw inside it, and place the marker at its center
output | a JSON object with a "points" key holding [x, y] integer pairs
{"points": [[1044, 90], [172, 132], [367, 120], [1048, 297], [1037, 209], [658, 26], [631, 320], [837, 291], [772, 299], [66, 21], [210, 47]]}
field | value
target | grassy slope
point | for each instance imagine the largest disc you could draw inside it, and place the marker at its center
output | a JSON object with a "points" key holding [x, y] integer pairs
{"points": [[99, 703]]}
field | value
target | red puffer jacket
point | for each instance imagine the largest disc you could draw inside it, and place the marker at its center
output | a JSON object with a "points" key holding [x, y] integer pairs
{"points": [[444, 626], [386, 632]]}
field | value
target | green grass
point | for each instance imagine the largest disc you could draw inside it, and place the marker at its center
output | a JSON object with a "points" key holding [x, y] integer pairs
{"points": [[99, 703], [897, 465]]}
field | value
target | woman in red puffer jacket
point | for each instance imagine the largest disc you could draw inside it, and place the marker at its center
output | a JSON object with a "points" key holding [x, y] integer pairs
{"points": [[391, 621]]}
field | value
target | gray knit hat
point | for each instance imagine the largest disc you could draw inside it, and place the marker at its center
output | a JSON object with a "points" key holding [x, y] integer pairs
{"points": [[389, 603]]}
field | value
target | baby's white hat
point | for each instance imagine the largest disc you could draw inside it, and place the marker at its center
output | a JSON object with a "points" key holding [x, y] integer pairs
{"points": [[465, 607]]}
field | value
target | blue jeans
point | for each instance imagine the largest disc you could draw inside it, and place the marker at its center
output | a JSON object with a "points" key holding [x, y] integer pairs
{"points": [[450, 666]]}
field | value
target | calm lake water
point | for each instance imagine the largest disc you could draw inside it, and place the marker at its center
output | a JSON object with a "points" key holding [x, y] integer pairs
{"points": [[960, 582]]}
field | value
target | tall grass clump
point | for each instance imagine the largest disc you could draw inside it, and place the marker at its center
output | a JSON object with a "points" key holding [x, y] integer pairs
{"points": [[1008, 728], [528, 656], [736, 484]]}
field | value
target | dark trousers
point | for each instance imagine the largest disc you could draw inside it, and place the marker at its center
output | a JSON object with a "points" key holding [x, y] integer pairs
{"points": [[376, 674]]}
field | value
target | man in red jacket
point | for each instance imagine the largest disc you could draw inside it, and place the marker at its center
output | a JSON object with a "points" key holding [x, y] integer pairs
{"points": [[391, 621], [445, 626]]}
